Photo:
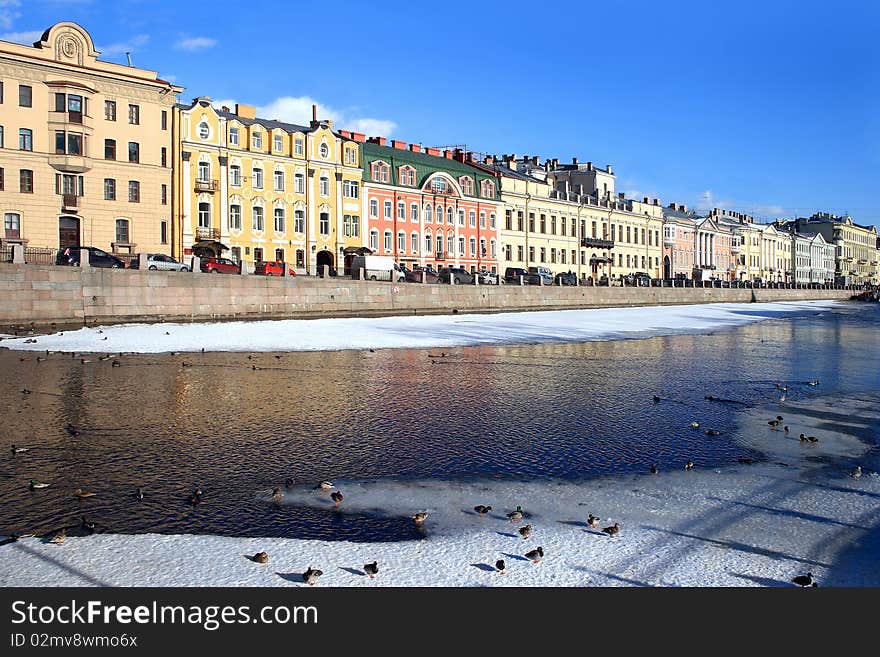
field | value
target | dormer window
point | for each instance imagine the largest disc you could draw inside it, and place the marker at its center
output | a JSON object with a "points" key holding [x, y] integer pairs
{"points": [[438, 185], [380, 172], [487, 189], [407, 176], [257, 140], [324, 150], [233, 136], [204, 130], [467, 186]]}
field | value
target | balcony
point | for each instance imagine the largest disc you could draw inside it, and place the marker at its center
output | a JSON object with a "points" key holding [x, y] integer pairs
{"points": [[668, 242], [735, 248], [596, 243], [69, 202], [203, 233], [207, 185]]}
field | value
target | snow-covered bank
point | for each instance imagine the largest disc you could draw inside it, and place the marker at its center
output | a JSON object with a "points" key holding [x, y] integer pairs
{"points": [[416, 332], [750, 525]]}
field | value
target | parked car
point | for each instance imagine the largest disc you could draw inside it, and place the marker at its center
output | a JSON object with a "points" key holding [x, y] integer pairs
{"points": [[512, 274], [97, 257], [159, 261], [638, 279], [415, 275], [540, 275], [271, 268], [460, 275], [487, 277], [219, 266], [566, 278]]}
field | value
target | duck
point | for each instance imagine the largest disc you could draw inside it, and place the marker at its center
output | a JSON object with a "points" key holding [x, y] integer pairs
{"points": [[71, 430], [420, 517], [785, 428], [689, 465], [812, 439], [116, 363], [325, 485], [525, 531], [500, 566], [311, 576], [804, 580], [803, 437], [713, 432], [815, 382], [593, 521], [196, 497], [19, 450], [33, 485], [25, 391], [337, 498], [276, 495], [654, 469], [84, 360], [773, 423], [612, 530], [857, 473], [260, 557], [656, 399], [140, 493], [288, 483], [371, 569], [81, 495], [59, 538], [516, 516], [535, 555], [88, 525], [482, 510], [695, 425]]}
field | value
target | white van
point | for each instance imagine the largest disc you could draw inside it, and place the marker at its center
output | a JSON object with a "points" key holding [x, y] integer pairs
{"points": [[376, 268]]}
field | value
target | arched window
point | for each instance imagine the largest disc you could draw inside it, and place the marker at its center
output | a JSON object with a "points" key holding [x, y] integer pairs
{"points": [[401, 242], [414, 213], [429, 242], [374, 240], [439, 214], [414, 242], [387, 241], [401, 211], [450, 213], [482, 219], [324, 150], [473, 246], [122, 234], [461, 217], [257, 220], [12, 225], [204, 171], [324, 186], [279, 220], [374, 207], [483, 253], [428, 214], [472, 217], [450, 243]]}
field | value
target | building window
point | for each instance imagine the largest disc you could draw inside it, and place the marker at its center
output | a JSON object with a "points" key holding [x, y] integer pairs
{"points": [[257, 178], [134, 152], [374, 207], [299, 183], [2, 179], [279, 255], [233, 136], [350, 189], [204, 215], [543, 254], [204, 171], [519, 254], [68, 184], [163, 232], [257, 140], [299, 221], [450, 215], [387, 241], [279, 180], [25, 96], [163, 121], [414, 242], [279, 220], [257, 218], [324, 186], [472, 218], [258, 254], [134, 114], [164, 194], [324, 150], [110, 110], [401, 211], [324, 223], [12, 224], [374, 240], [26, 181], [204, 130], [122, 231], [472, 243], [235, 217], [134, 191], [25, 139], [298, 146], [355, 226], [163, 157], [235, 175], [428, 242], [109, 189], [401, 242], [428, 214], [438, 185], [346, 225], [351, 156], [279, 143], [482, 220], [414, 213], [387, 208]]}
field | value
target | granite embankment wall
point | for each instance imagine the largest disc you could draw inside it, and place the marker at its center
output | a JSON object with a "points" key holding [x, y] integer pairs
{"points": [[70, 295]]}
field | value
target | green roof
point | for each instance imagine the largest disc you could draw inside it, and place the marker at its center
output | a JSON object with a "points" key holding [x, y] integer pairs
{"points": [[424, 164]]}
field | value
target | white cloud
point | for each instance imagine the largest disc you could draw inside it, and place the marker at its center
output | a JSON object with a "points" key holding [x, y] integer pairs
{"points": [[126, 46], [26, 38], [195, 43], [298, 110], [8, 13]]}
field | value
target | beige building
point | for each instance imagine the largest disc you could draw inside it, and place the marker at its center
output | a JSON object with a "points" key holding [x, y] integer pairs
{"points": [[263, 189], [857, 257], [86, 147]]}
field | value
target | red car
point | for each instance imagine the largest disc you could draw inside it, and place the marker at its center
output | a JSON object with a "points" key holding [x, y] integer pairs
{"points": [[219, 266], [272, 268]]}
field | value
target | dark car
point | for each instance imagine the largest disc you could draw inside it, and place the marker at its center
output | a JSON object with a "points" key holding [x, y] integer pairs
{"points": [[415, 275], [566, 278], [638, 279], [539, 276], [459, 274], [97, 257], [219, 266], [271, 268], [512, 274]]}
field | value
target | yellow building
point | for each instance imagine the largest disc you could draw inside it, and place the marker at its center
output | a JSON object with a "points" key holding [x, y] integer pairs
{"points": [[86, 147], [858, 258], [265, 189], [568, 218]]}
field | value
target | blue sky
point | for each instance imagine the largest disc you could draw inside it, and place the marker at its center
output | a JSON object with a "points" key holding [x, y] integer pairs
{"points": [[771, 107]]}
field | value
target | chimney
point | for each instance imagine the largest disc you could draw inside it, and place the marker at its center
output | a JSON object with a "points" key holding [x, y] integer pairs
{"points": [[245, 111], [447, 154], [574, 161], [415, 148], [314, 112], [399, 145], [433, 151], [645, 200], [460, 156], [608, 168], [620, 195], [489, 159], [589, 166], [359, 137], [380, 141], [672, 206], [684, 208], [536, 160], [657, 202]]}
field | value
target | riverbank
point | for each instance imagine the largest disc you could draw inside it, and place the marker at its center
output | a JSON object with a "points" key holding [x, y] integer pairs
{"points": [[38, 296], [755, 524], [415, 332]]}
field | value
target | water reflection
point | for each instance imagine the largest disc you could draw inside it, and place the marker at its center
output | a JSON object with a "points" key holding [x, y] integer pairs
{"points": [[237, 425]]}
